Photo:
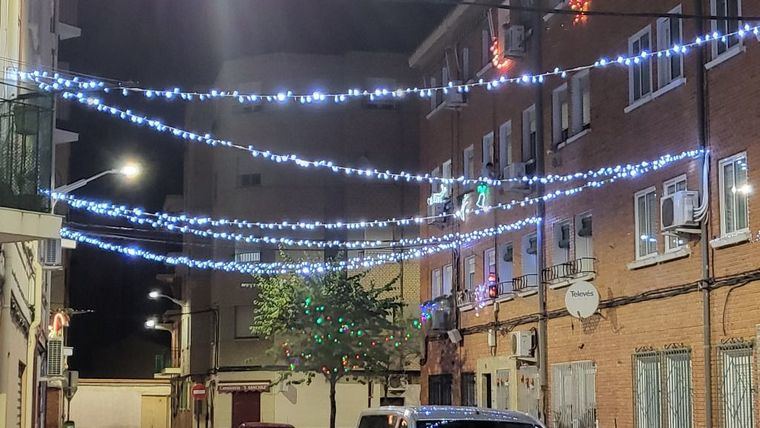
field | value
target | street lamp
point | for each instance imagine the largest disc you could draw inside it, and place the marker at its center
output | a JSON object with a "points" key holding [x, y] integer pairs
{"points": [[153, 324], [155, 295], [129, 170]]}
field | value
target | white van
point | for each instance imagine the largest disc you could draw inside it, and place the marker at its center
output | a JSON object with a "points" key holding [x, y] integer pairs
{"points": [[445, 417]]}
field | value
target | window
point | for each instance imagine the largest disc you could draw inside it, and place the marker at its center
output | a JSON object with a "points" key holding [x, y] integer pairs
{"points": [[505, 145], [465, 64], [646, 223], [734, 190], [377, 421], [725, 26], [646, 390], [446, 173], [489, 262], [670, 187], [468, 390], [469, 273], [249, 180], [639, 72], [243, 321], [448, 279], [669, 34], [485, 47], [736, 389], [580, 92], [468, 162], [529, 134], [574, 394], [560, 115], [584, 244], [562, 242], [506, 267], [439, 389], [436, 283], [529, 252], [662, 388], [487, 145]]}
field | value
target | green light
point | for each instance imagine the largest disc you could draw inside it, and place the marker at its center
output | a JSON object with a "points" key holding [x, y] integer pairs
{"points": [[482, 188], [307, 302], [360, 333], [320, 320]]}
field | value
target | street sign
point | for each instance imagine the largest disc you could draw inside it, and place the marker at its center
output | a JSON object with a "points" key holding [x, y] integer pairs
{"points": [[582, 299], [198, 391]]}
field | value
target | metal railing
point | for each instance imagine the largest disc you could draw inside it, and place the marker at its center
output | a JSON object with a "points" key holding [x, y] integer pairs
{"points": [[569, 270], [26, 148], [525, 282]]}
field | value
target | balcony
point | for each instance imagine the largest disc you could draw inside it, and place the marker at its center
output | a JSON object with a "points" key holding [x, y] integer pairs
{"points": [[526, 284], [26, 141], [564, 274]]}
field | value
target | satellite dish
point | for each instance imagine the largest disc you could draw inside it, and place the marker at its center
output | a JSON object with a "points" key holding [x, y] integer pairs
{"points": [[582, 299]]}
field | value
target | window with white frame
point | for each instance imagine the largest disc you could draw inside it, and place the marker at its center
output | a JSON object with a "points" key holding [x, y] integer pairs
{"points": [[670, 187], [243, 322], [725, 26], [669, 34], [737, 396], [640, 70], [469, 273], [647, 398], [646, 222], [436, 283], [487, 146], [574, 394], [435, 187], [506, 265], [529, 134], [584, 236], [446, 173], [489, 262], [560, 114], [562, 242], [580, 106], [448, 279], [505, 145], [734, 191], [468, 162], [465, 64]]}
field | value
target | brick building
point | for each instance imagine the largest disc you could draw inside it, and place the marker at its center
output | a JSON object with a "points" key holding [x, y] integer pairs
{"points": [[671, 305]]}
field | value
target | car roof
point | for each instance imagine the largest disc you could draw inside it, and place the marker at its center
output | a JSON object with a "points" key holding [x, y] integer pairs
{"points": [[453, 412]]}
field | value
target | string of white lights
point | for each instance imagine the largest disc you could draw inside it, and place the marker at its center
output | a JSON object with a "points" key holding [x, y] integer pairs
{"points": [[59, 81], [304, 267], [185, 224]]}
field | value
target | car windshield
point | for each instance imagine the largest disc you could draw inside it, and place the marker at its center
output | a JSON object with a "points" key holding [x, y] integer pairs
{"points": [[472, 424]]}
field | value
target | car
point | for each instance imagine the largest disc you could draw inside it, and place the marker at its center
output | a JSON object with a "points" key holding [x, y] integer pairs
{"points": [[445, 417]]}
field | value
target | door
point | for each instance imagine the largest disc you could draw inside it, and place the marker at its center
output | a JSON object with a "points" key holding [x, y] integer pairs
{"points": [[246, 407], [154, 411]]}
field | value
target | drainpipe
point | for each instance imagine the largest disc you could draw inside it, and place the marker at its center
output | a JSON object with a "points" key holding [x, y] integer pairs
{"points": [[705, 256], [540, 212]]}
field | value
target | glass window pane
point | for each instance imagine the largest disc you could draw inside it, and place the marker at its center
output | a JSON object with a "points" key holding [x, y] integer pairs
{"points": [[728, 198]]}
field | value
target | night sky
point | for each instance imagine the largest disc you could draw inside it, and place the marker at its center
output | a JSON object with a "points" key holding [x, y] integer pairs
{"points": [[171, 43]]}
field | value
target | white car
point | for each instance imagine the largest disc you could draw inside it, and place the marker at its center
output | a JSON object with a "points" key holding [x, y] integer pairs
{"points": [[445, 417]]}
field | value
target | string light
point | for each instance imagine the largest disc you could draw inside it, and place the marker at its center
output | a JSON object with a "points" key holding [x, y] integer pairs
{"points": [[56, 82], [302, 268]]}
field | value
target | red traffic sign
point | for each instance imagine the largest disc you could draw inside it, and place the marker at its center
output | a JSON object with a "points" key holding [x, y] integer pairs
{"points": [[198, 391]]}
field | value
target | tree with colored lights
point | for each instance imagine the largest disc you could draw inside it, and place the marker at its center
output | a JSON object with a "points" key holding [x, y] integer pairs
{"points": [[335, 325]]}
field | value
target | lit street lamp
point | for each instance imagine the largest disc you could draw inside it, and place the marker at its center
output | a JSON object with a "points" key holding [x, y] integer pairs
{"points": [[129, 170], [155, 295], [153, 324]]}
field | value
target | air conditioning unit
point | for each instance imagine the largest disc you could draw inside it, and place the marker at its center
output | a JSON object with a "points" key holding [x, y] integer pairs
{"points": [[55, 358], [50, 253], [514, 41], [514, 172], [586, 227], [522, 343], [398, 383], [677, 210], [453, 99]]}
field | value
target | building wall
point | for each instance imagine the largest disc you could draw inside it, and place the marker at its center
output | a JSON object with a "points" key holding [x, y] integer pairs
{"points": [[114, 402], [666, 124]]}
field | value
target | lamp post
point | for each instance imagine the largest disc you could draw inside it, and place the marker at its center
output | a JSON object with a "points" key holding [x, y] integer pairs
{"points": [[155, 295], [129, 170]]}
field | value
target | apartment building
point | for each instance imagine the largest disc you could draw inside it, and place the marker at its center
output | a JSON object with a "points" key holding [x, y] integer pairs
{"points": [[382, 133], [32, 150], [673, 342]]}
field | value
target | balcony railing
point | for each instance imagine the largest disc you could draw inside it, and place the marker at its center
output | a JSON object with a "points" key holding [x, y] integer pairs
{"points": [[525, 282], [26, 148], [570, 270]]}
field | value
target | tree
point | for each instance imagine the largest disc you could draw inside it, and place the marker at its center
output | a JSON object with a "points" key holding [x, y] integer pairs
{"points": [[333, 325]]}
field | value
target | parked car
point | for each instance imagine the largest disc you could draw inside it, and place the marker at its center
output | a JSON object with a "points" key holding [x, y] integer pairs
{"points": [[445, 417], [263, 425]]}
